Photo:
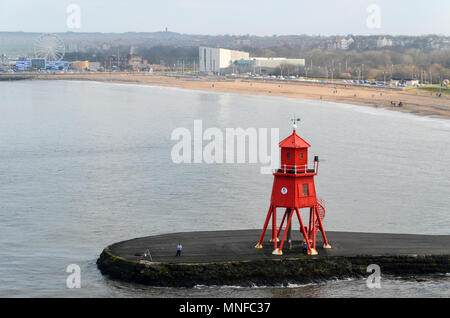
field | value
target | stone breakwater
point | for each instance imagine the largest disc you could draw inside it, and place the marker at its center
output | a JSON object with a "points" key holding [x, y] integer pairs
{"points": [[210, 259]]}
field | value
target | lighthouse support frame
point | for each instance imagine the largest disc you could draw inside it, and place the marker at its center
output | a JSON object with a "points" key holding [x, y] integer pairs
{"points": [[309, 234]]}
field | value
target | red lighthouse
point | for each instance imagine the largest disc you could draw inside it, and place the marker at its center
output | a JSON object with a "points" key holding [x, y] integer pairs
{"points": [[293, 189]]}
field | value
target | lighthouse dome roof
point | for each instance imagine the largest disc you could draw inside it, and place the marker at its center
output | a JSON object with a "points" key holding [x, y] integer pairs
{"points": [[294, 141]]}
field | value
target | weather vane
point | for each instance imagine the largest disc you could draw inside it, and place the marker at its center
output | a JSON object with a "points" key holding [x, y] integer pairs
{"points": [[294, 122]]}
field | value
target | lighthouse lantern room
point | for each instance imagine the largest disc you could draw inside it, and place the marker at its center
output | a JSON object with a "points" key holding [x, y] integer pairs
{"points": [[294, 189]]}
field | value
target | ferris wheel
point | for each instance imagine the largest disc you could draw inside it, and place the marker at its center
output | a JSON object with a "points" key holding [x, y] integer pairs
{"points": [[49, 47]]}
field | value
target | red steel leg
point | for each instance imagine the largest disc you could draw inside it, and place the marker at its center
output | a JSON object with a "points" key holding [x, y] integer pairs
{"points": [[311, 217], [274, 228], [282, 222], [325, 241], [280, 250], [269, 214], [314, 232], [302, 229]]}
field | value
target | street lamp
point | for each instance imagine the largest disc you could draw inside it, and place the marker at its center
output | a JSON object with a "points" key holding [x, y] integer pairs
{"points": [[362, 72]]}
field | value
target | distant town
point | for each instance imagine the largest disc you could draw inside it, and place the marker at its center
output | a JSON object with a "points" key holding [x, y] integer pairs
{"points": [[368, 60]]}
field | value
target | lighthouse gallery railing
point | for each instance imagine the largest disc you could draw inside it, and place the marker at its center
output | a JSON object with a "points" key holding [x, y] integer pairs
{"points": [[296, 169]]}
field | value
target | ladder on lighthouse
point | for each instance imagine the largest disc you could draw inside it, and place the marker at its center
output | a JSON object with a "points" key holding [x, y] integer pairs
{"points": [[320, 206]]}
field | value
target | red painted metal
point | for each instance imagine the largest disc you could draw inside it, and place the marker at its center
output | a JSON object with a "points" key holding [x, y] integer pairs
{"points": [[286, 230], [282, 222], [294, 189]]}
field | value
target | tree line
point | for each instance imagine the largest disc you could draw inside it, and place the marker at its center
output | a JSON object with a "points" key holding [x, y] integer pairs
{"points": [[380, 64]]}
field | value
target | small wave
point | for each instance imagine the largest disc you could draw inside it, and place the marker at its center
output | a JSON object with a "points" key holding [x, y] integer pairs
{"points": [[288, 285]]}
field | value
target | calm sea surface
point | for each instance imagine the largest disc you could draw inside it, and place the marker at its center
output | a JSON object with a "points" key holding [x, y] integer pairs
{"points": [[85, 164]]}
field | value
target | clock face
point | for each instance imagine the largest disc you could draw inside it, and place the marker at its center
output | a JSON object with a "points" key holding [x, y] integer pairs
{"points": [[283, 190]]}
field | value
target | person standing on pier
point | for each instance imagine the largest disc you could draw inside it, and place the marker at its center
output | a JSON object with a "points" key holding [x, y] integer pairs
{"points": [[179, 248]]}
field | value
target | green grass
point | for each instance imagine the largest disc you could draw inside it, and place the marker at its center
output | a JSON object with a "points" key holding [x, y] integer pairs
{"points": [[432, 89]]}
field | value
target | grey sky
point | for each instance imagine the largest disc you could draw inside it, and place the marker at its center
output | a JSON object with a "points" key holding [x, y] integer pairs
{"points": [[259, 17]]}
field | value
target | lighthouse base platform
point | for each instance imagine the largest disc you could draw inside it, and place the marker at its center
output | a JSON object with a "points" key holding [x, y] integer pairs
{"points": [[230, 258]]}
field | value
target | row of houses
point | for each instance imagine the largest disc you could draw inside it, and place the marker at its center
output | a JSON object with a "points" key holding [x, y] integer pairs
{"points": [[349, 42], [128, 62]]}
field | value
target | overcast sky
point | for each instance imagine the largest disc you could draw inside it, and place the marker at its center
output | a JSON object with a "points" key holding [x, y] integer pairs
{"points": [[258, 17]]}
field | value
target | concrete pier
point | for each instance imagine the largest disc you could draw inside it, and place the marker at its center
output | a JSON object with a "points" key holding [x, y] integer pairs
{"points": [[229, 258]]}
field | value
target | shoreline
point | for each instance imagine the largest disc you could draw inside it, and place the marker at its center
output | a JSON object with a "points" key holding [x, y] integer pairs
{"points": [[414, 101]]}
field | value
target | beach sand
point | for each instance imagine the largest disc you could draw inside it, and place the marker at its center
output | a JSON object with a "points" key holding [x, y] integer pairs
{"points": [[414, 101]]}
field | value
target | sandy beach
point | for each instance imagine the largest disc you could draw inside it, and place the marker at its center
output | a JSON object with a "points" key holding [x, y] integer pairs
{"points": [[414, 101]]}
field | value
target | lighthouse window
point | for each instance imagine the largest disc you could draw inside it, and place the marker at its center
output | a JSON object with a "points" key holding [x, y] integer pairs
{"points": [[288, 155], [305, 189], [301, 155]]}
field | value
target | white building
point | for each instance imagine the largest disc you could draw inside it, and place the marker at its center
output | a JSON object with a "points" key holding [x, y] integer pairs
{"points": [[274, 62], [383, 42], [268, 64], [214, 60], [345, 43]]}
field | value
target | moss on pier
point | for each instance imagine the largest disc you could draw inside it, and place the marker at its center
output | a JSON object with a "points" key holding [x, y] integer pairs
{"points": [[267, 272]]}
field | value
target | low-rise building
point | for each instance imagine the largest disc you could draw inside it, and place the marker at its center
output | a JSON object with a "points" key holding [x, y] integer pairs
{"points": [[95, 66], [404, 82], [80, 65], [129, 62], [22, 65], [116, 62], [136, 63], [267, 64], [411, 81], [57, 65], [157, 68], [38, 64]]}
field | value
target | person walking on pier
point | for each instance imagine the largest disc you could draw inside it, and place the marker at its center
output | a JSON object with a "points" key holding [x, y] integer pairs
{"points": [[305, 247], [179, 248]]}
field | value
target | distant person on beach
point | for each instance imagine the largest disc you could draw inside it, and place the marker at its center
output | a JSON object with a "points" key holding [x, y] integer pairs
{"points": [[290, 243], [179, 248]]}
